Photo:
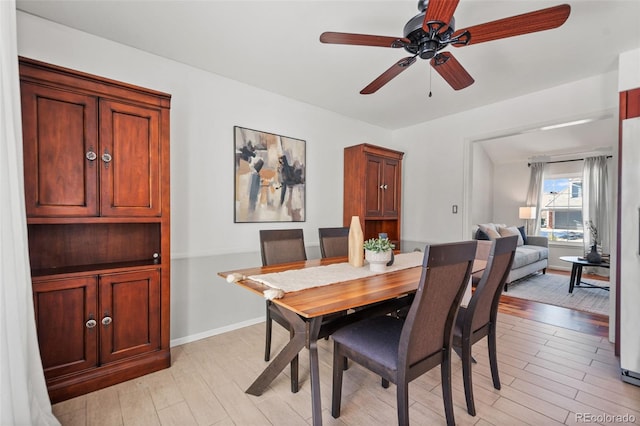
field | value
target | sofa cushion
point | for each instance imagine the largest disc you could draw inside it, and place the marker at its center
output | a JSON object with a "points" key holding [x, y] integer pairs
{"points": [[523, 233], [507, 231], [528, 254], [490, 229], [481, 235]]}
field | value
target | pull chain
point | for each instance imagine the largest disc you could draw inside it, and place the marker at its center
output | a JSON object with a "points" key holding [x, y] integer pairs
{"points": [[430, 69]]}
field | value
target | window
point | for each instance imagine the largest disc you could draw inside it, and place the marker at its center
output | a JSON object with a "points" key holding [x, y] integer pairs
{"points": [[561, 209]]}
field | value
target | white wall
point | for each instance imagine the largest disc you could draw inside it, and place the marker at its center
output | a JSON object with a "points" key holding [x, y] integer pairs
{"points": [[629, 264], [482, 186], [510, 185], [204, 109], [438, 153], [629, 70]]}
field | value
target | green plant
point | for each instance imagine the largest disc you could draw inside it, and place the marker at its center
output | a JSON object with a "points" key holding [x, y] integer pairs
{"points": [[594, 233], [378, 244]]}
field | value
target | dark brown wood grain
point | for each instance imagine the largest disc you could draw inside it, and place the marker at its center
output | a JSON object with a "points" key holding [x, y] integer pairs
{"points": [[98, 227], [366, 168], [341, 296], [585, 322], [362, 39], [539, 20]]}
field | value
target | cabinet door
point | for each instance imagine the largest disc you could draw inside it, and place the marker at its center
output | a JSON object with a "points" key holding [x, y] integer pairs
{"points": [[60, 141], [390, 188], [130, 160], [373, 180], [65, 312], [129, 314]]}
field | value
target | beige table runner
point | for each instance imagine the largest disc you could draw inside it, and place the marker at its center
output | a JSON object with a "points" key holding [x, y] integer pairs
{"points": [[301, 279]]}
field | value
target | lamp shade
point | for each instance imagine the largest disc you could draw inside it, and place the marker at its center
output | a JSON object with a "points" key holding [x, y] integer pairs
{"points": [[528, 212]]}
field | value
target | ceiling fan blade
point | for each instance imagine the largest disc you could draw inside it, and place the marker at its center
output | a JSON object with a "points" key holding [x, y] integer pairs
{"points": [[388, 75], [539, 20], [439, 10], [451, 70], [363, 39]]}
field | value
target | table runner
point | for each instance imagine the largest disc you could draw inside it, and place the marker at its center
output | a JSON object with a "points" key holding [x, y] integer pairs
{"points": [[316, 276]]}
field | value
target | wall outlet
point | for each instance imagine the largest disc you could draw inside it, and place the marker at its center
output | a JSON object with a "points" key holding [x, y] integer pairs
{"points": [[454, 209]]}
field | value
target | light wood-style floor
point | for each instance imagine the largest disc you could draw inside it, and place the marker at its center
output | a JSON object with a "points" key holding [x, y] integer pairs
{"points": [[550, 375]]}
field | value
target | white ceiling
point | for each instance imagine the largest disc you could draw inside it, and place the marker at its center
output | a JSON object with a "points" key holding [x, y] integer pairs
{"points": [[274, 45]]}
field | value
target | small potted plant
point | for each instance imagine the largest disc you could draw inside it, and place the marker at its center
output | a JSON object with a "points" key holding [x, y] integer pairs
{"points": [[378, 252], [593, 256]]}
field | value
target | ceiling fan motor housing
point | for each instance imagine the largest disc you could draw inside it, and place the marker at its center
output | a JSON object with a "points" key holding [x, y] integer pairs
{"points": [[427, 44]]}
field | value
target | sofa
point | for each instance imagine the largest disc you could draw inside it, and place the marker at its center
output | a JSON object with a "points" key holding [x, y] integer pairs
{"points": [[532, 252]]}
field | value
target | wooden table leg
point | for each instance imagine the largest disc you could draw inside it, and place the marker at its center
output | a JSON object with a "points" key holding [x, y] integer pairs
{"points": [[314, 370], [302, 337], [286, 355]]}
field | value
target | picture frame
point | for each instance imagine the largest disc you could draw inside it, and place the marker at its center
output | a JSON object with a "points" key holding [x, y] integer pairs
{"points": [[270, 175]]}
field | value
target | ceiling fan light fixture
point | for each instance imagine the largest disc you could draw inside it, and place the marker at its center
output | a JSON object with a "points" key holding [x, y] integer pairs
{"points": [[428, 49], [433, 29]]}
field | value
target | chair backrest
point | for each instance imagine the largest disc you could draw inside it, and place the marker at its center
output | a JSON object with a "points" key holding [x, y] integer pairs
{"points": [[334, 242], [281, 246], [427, 330], [483, 306]]}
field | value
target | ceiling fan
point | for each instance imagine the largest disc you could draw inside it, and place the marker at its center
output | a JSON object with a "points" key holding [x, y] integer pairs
{"points": [[433, 29]]}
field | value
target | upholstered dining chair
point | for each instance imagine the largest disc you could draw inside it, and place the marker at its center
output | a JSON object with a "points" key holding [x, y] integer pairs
{"points": [[334, 242], [280, 246], [478, 319], [402, 350]]}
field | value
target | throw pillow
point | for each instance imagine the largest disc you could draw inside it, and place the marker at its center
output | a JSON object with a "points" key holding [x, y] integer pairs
{"points": [[489, 229], [511, 230], [524, 234], [481, 235]]}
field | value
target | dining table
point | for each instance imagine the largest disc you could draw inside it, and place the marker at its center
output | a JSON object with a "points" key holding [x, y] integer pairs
{"points": [[304, 309]]}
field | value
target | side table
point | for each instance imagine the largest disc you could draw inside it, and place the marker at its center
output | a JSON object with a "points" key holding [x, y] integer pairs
{"points": [[576, 272]]}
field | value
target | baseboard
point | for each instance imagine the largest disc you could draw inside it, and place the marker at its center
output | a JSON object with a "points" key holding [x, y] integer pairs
{"points": [[214, 332]]}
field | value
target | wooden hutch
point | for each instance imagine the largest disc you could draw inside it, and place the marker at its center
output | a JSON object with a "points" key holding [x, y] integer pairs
{"points": [[373, 190], [96, 168]]}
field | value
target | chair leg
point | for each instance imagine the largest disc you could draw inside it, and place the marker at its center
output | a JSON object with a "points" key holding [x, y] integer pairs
{"points": [[447, 397], [467, 376], [339, 363], [493, 357], [403, 402], [294, 368], [267, 340]]}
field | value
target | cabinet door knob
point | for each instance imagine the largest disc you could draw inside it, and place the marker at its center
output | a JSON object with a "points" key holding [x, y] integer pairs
{"points": [[106, 320], [383, 186], [91, 323], [91, 155], [106, 157]]}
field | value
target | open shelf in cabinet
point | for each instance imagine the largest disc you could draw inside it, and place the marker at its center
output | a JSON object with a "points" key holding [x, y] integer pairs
{"points": [[65, 248]]}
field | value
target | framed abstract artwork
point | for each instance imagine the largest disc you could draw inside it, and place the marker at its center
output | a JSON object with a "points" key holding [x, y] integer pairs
{"points": [[269, 177]]}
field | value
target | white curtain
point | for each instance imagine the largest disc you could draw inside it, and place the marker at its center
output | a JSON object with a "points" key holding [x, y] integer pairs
{"points": [[24, 399], [595, 201], [534, 194]]}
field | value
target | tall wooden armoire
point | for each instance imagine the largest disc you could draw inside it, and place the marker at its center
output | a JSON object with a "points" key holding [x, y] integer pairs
{"points": [[96, 168]]}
